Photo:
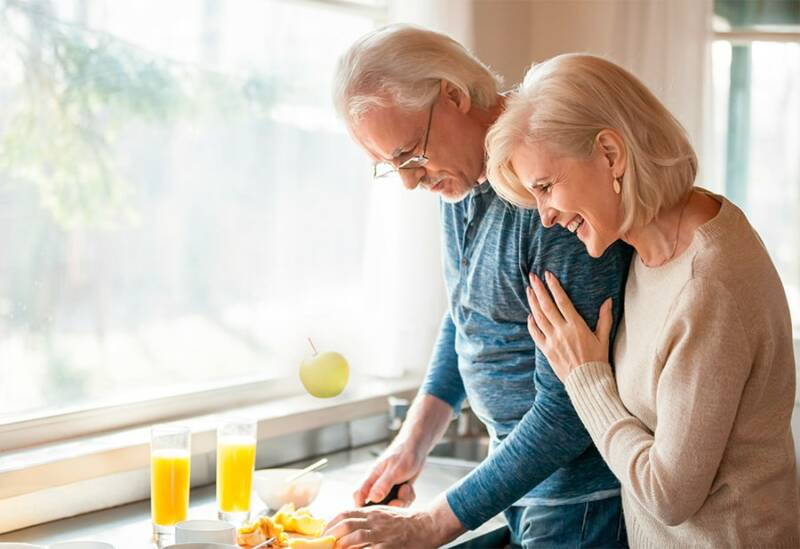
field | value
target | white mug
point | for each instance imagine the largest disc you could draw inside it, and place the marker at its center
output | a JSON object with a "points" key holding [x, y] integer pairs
{"points": [[15, 545], [207, 531]]}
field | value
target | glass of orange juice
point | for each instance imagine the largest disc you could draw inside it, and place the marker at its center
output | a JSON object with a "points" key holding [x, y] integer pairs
{"points": [[236, 458], [170, 452]]}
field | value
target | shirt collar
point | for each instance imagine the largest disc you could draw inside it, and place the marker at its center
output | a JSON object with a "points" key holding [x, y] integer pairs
{"points": [[482, 187]]}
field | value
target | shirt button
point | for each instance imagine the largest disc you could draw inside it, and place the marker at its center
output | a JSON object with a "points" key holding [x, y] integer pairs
{"points": [[464, 262]]}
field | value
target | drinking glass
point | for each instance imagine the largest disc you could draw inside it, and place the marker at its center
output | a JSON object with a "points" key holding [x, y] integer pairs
{"points": [[236, 458], [170, 453]]}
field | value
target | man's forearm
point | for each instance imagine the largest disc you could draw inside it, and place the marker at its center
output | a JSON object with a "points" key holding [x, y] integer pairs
{"points": [[445, 524], [426, 422]]}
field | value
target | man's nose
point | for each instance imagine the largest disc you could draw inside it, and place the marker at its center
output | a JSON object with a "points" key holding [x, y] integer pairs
{"points": [[411, 177]]}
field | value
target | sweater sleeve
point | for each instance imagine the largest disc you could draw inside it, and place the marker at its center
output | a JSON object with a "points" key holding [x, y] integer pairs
{"points": [[443, 379], [549, 435], [705, 361]]}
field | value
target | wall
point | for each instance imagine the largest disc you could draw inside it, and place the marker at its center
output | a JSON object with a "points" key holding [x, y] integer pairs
{"points": [[502, 37], [665, 44]]}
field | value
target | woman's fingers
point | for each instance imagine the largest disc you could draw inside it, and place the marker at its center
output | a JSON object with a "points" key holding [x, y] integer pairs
{"points": [[532, 301], [536, 334], [560, 332], [565, 306], [604, 322], [546, 304], [539, 317]]}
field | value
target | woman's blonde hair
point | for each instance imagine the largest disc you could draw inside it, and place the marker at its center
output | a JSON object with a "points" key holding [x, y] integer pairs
{"points": [[565, 102], [403, 65]]}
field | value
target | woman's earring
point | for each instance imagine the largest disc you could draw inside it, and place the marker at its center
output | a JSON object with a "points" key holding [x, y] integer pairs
{"points": [[617, 185]]}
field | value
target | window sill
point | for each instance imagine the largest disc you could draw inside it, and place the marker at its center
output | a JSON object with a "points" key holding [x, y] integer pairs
{"points": [[129, 526], [65, 479]]}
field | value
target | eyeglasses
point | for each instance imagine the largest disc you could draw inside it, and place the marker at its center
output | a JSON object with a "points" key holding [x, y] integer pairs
{"points": [[384, 169]]}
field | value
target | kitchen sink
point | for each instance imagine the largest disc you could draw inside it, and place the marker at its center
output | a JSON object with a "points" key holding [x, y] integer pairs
{"points": [[473, 448]]}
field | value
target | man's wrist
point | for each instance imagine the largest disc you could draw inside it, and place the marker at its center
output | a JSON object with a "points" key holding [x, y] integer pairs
{"points": [[443, 525], [416, 437]]}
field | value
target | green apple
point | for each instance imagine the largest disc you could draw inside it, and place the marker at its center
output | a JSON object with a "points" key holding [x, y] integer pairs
{"points": [[325, 375]]}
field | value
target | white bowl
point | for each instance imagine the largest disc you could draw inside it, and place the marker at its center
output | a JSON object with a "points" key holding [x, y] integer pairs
{"points": [[15, 545], [274, 491], [207, 531]]}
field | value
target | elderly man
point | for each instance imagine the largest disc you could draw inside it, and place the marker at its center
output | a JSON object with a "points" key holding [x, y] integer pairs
{"points": [[420, 105]]}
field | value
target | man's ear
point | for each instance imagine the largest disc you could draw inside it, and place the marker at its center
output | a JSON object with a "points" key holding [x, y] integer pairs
{"points": [[612, 147], [455, 96]]}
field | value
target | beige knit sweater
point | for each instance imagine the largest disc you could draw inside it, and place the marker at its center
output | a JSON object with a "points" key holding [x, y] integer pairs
{"points": [[697, 423]]}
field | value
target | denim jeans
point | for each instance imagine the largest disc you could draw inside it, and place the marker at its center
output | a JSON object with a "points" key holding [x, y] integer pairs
{"points": [[596, 524]]}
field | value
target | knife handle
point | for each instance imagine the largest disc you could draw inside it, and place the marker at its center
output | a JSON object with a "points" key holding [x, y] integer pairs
{"points": [[392, 495]]}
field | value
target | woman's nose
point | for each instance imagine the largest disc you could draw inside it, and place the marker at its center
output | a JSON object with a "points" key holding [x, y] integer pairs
{"points": [[548, 216]]}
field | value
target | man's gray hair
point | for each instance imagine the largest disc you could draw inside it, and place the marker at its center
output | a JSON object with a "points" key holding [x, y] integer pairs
{"points": [[403, 65]]}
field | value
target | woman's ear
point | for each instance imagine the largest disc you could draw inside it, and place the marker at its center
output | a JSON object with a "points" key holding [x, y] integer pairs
{"points": [[455, 96], [612, 147]]}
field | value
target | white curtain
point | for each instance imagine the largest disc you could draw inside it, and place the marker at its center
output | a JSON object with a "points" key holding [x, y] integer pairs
{"points": [[451, 17], [404, 290], [667, 44]]}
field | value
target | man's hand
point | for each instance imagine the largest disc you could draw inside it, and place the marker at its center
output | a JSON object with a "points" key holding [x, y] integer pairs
{"points": [[383, 527], [401, 463]]}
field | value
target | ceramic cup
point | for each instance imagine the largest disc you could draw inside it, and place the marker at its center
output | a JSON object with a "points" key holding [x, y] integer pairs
{"points": [[207, 531], [15, 545]]}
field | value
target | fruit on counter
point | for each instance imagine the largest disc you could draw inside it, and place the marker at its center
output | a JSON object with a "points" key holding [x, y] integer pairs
{"points": [[286, 520], [324, 375], [259, 531], [328, 542], [251, 538], [300, 521]]}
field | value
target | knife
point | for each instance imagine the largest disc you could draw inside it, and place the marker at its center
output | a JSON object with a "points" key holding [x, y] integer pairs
{"points": [[392, 495]]}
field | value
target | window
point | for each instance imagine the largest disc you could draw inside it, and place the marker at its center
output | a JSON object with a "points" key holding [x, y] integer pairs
{"points": [[179, 206], [756, 87]]}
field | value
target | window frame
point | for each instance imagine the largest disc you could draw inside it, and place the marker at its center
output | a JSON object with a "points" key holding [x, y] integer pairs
{"points": [[748, 35], [740, 35], [21, 431], [37, 429]]}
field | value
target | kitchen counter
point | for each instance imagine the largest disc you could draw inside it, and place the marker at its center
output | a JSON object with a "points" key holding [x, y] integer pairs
{"points": [[128, 526]]}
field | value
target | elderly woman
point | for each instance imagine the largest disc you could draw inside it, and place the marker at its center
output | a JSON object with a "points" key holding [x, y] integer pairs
{"points": [[696, 425]]}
